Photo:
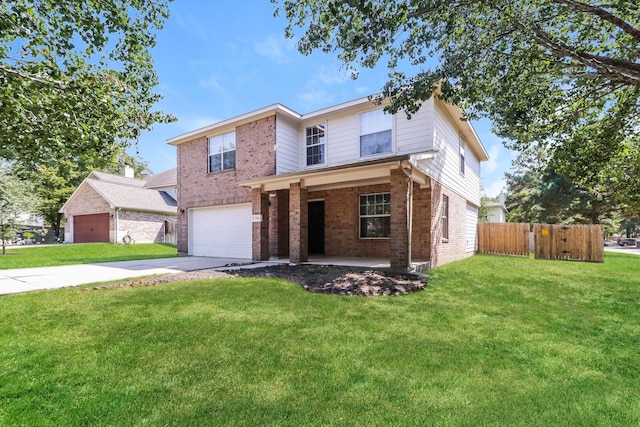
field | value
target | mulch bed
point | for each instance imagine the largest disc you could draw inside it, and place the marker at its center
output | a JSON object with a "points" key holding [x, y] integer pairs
{"points": [[327, 279]]}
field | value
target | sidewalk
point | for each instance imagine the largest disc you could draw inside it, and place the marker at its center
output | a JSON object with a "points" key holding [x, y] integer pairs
{"points": [[31, 279]]}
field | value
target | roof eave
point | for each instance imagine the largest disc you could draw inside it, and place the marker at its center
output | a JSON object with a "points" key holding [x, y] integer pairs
{"points": [[233, 122]]}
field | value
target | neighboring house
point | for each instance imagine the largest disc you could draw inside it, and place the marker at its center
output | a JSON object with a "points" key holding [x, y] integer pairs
{"points": [[496, 209], [106, 208], [345, 181]]}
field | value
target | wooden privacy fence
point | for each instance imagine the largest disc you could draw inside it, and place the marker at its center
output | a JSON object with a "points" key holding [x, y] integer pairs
{"points": [[562, 242], [508, 238], [569, 242]]}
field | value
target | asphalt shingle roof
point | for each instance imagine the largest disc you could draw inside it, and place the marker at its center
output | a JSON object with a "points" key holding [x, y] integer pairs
{"points": [[131, 194]]}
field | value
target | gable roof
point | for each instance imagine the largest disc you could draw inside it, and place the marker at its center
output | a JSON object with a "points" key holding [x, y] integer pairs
{"points": [[228, 125], [167, 178], [129, 193]]}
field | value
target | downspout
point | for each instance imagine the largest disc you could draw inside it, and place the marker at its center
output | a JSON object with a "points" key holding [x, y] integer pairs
{"points": [[409, 205]]}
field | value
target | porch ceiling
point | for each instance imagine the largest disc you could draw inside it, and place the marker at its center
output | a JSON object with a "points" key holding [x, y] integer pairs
{"points": [[365, 173]]}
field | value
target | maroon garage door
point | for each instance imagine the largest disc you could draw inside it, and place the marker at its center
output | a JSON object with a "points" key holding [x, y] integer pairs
{"points": [[91, 228]]}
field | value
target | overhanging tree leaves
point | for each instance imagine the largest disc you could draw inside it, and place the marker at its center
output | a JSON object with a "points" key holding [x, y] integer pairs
{"points": [[76, 76], [564, 74], [16, 204]]}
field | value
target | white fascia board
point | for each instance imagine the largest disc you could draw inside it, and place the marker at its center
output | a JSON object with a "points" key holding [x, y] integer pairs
{"points": [[233, 122], [356, 103]]}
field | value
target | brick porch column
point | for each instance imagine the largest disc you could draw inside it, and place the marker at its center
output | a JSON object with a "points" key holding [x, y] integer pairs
{"points": [[298, 224], [399, 244], [260, 231]]}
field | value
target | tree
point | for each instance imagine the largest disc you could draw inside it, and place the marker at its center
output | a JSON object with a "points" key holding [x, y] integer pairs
{"points": [[536, 193], [16, 203], [76, 76], [54, 182], [564, 74]]}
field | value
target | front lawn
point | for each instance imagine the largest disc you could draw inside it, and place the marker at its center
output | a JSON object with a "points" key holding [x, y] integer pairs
{"points": [[492, 341], [81, 253]]}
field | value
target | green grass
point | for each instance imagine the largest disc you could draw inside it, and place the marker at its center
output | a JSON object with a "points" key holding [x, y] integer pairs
{"points": [[492, 341], [67, 254]]}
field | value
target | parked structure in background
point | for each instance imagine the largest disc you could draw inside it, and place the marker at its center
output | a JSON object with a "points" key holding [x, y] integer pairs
{"points": [[348, 180], [108, 208]]}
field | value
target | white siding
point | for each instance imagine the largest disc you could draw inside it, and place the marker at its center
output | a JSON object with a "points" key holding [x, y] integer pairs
{"points": [[471, 227], [415, 135], [287, 153], [445, 167], [343, 140]]}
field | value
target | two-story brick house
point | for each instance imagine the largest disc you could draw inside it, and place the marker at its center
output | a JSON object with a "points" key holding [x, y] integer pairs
{"points": [[348, 181]]}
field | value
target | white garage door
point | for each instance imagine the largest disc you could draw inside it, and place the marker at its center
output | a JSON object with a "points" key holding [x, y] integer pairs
{"points": [[471, 227], [221, 231]]}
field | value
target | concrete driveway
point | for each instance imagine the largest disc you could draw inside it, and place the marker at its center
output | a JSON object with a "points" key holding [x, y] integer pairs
{"points": [[623, 249], [31, 279]]}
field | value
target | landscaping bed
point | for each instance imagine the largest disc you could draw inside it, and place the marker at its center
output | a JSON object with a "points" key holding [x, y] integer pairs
{"points": [[328, 279]]}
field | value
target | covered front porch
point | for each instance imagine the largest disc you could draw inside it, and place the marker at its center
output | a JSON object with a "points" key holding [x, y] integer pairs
{"points": [[376, 210]]}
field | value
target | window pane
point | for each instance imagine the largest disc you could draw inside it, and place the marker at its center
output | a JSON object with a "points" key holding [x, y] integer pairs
{"points": [[215, 145], [375, 143], [374, 122], [229, 160], [375, 226], [215, 163], [229, 141]]}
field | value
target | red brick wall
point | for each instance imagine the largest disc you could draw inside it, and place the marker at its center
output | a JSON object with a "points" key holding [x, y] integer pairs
{"points": [[255, 157], [342, 223], [454, 248], [341, 211]]}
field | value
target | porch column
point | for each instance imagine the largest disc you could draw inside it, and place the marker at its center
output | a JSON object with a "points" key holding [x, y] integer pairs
{"points": [[260, 231], [298, 223], [399, 244]]}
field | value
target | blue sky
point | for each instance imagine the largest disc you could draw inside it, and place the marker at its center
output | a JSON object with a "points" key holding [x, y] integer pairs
{"points": [[220, 59]]}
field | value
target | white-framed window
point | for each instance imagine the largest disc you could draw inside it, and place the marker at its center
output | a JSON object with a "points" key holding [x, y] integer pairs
{"points": [[222, 152], [445, 217], [375, 216], [315, 144], [462, 148], [375, 133]]}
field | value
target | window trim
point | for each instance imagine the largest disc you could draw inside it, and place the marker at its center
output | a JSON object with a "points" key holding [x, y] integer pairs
{"points": [[209, 153], [322, 125], [462, 151], [390, 130], [445, 218], [361, 216]]}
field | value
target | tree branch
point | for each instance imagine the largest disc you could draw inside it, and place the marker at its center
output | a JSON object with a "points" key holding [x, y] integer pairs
{"points": [[35, 78], [605, 15]]}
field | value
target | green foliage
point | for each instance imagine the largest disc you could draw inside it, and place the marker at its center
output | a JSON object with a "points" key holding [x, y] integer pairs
{"points": [[487, 343], [561, 73], [77, 253], [536, 193], [76, 77], [17, 204]]}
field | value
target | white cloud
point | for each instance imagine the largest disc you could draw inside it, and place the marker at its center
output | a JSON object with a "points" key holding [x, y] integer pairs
{"points": [[495, 188], [495, 162], [210, 82], [274, 48], [319, 91]]}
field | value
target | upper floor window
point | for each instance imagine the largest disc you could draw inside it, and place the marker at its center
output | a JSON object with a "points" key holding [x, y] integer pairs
{"points": [[375, 133], [222, 152], [462, 144], [315, 145], [375, 215]]}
